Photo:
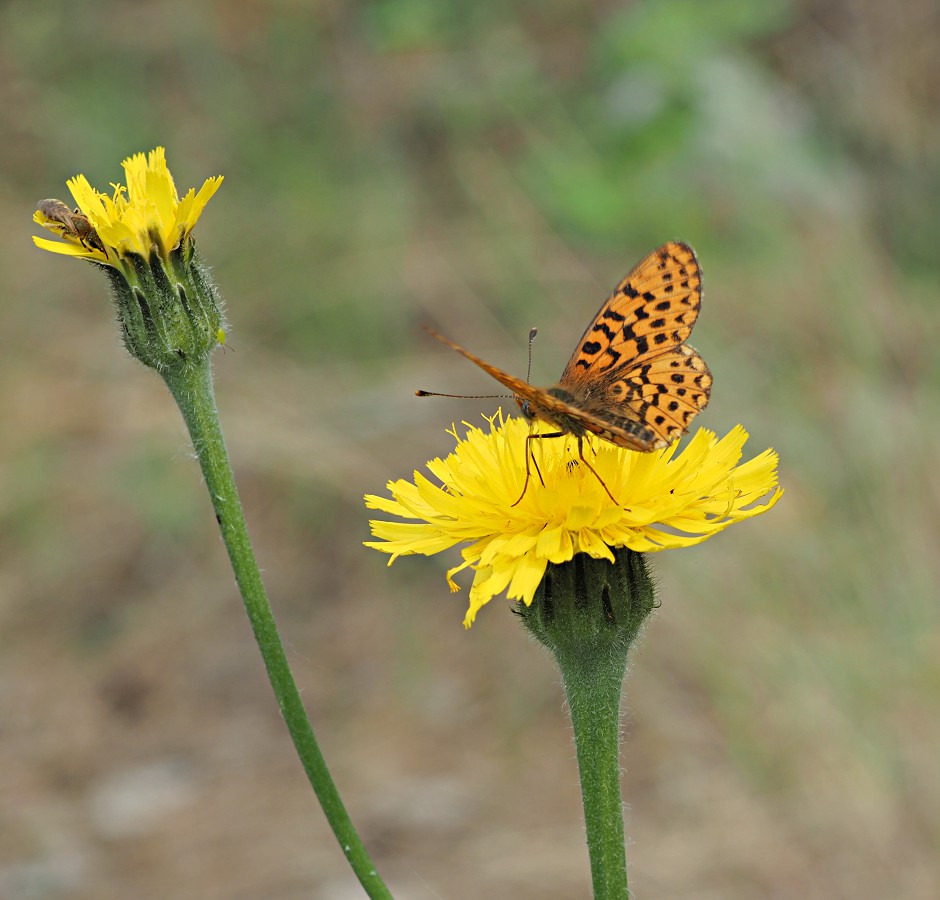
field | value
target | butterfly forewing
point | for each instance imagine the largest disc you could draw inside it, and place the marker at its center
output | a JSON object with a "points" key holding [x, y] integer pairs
{"points": [[651, 311]]}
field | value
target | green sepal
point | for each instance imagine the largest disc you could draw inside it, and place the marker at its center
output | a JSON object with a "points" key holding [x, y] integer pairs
{"points": [[170, 311], [588, 604]]}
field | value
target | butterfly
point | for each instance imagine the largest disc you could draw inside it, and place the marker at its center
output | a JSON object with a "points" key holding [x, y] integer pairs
{"points": [[632, 380]]}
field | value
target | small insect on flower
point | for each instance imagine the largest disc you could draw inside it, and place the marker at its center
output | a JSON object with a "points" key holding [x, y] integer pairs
{"points": [[70, 223], [632, 380]]}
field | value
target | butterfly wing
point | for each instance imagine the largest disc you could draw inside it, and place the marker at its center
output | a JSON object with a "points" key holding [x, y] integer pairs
{"points": [[631, 367], [664, 393], [651, 311]]}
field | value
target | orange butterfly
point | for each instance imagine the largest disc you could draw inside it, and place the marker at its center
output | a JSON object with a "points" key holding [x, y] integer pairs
{"points": [[632, 380]]}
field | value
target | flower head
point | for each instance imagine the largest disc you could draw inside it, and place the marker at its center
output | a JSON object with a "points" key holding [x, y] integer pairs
{"points": [[144, 216], [666, 499], [169, 311]]}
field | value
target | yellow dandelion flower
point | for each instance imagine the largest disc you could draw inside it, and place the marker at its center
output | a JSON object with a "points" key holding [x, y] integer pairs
{"points": [[667, 499], [141, 217]]}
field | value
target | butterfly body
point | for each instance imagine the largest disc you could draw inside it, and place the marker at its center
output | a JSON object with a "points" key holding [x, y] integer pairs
{"points": [[579, 413]]}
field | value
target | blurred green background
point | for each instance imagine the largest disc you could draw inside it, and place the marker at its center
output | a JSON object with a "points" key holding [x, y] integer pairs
{"points": [[482, 168]]}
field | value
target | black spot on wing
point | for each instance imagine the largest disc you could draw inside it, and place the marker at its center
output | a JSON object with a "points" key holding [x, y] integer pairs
{"points": [[614, 359]]}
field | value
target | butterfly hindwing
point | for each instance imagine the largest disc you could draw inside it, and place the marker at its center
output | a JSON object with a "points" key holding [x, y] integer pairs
{"points": [[652, 310], [665, 393]]}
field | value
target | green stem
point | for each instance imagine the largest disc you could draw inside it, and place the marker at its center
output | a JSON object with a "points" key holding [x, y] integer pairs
{"points": [[593, 693], [588, 612], [191, 386]]}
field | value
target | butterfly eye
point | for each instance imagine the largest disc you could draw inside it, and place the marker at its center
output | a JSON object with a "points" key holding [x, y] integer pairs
{"points": [[526, 409]]}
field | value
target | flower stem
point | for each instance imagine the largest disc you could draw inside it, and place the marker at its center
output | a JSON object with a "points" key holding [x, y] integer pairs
{"points": [[588, 612], [191, 386], [593, 693]]}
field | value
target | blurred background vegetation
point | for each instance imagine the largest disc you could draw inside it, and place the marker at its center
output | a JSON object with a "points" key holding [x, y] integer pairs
{"points": [[482, 168]]}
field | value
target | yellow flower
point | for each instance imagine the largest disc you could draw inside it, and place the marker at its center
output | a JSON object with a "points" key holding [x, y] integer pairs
{"points": [[168, 309], [666, 499], [144, 216]]}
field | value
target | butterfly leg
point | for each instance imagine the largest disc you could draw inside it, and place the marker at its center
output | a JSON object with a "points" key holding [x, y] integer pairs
{"points": [[529, 455], [593, 470]]}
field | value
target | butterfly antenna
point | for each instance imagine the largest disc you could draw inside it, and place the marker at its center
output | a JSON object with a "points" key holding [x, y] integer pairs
{"points": [[533, 331], [464, 396]]}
